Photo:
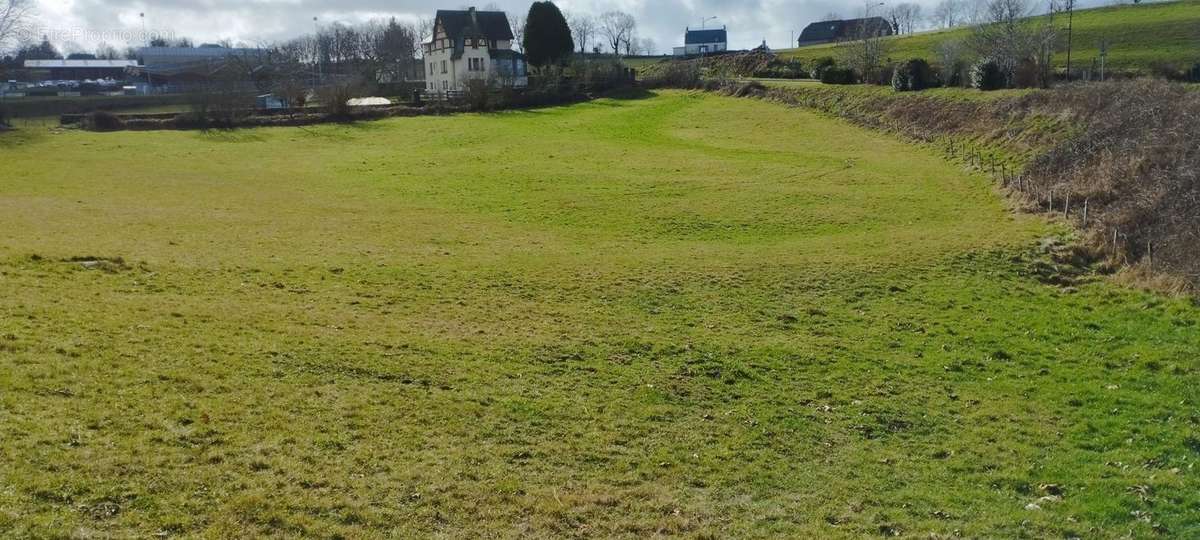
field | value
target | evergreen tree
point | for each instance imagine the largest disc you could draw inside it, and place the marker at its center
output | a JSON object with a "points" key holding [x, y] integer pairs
{"points": [[547, 36]]}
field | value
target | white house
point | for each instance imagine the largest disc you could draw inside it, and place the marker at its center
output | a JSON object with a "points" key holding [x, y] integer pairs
{"points": [[472, 45], [701, 42]]}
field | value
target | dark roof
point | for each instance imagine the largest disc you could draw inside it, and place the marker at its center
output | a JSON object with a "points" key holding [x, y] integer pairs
{"points": [[697, 37], [506, 54], [487, 24], [834, 30]]}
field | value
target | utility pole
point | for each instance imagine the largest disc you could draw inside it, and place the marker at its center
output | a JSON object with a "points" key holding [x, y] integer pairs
{"points": [[1103, 57], [146, 36], [1070, 32], [316, 53]]}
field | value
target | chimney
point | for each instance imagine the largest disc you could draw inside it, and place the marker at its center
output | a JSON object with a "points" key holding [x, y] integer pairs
{"points": [[474, 21]]}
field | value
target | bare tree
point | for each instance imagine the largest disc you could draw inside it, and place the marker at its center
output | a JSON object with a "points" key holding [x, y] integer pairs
{"points": [[866, 49], [15, 16], [1004, 37], [583, 29], [649, 46], [953, 54], [104, 51], [617, 27], [905, 17], [517, 22], [424, 28], [949, 14]]}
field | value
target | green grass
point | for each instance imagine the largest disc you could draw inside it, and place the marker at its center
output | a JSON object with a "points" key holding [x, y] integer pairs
{"points": [[1139, 36], [686, 314]]}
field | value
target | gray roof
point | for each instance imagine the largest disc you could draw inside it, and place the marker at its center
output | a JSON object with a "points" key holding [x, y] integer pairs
{"points": [[80, 64], [835, 30], [700, 37], [486, 24]]}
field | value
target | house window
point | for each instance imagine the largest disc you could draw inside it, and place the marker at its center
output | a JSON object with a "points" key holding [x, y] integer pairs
{"points": [[445, 85], [443, 67], [431, 68]]}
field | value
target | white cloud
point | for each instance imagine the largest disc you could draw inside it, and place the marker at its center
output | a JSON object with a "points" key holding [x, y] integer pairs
{"points": [[254, 21]]}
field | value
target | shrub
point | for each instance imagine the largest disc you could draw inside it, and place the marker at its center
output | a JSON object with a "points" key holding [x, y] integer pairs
{"points": [[190, 120], [750, 89], [102, 121], [913, 76], [336, 98], [1028, 75], [1170, 72], [987, 76], [777, 69], [900, 82], [837, 75], [675, 75], [478, 95], [955, 75], [820, 65]]}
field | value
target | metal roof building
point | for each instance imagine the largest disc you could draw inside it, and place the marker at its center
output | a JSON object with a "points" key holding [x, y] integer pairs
{"points": [[81, 69]]}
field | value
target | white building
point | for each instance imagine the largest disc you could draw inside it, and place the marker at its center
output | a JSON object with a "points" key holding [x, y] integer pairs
{"points": [[702, 42], [472, 45]]}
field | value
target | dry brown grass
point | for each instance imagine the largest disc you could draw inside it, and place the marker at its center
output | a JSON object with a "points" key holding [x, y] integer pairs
{"points": [[1119, 160], [1135, 167]]}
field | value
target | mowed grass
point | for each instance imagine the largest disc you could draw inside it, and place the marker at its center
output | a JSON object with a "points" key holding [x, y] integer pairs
{"points": [[678, 315], [1138, 37]]}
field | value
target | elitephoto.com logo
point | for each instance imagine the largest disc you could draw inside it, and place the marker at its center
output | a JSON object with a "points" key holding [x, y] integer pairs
{"points": [[78, 35]]}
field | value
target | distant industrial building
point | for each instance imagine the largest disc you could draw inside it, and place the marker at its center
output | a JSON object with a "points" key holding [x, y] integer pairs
{"points": [[701, 42], [79, 69], [843, 30], [176, 66]]}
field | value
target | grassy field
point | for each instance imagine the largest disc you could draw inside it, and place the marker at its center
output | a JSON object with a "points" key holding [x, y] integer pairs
{"points": [[1139, 36], [677, 314]]}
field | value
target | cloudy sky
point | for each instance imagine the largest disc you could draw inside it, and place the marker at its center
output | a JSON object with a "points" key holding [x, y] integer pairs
{"points": [[81, 24]]}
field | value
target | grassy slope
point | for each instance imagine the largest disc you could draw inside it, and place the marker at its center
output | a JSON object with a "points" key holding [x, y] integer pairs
{"points": [[687, 314], [1139, 36]]}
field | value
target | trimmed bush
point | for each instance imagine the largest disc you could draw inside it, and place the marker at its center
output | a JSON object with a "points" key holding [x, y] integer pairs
{"points": [[987, 76], [913, 76], [837, 75], [102, 121]]}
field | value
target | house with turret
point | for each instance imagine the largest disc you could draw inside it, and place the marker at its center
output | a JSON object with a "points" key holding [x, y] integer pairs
{"points": [[472, 45]]}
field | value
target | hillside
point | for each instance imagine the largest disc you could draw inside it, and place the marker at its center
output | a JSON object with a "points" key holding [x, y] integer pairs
{"points": [[1139, 36]]}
